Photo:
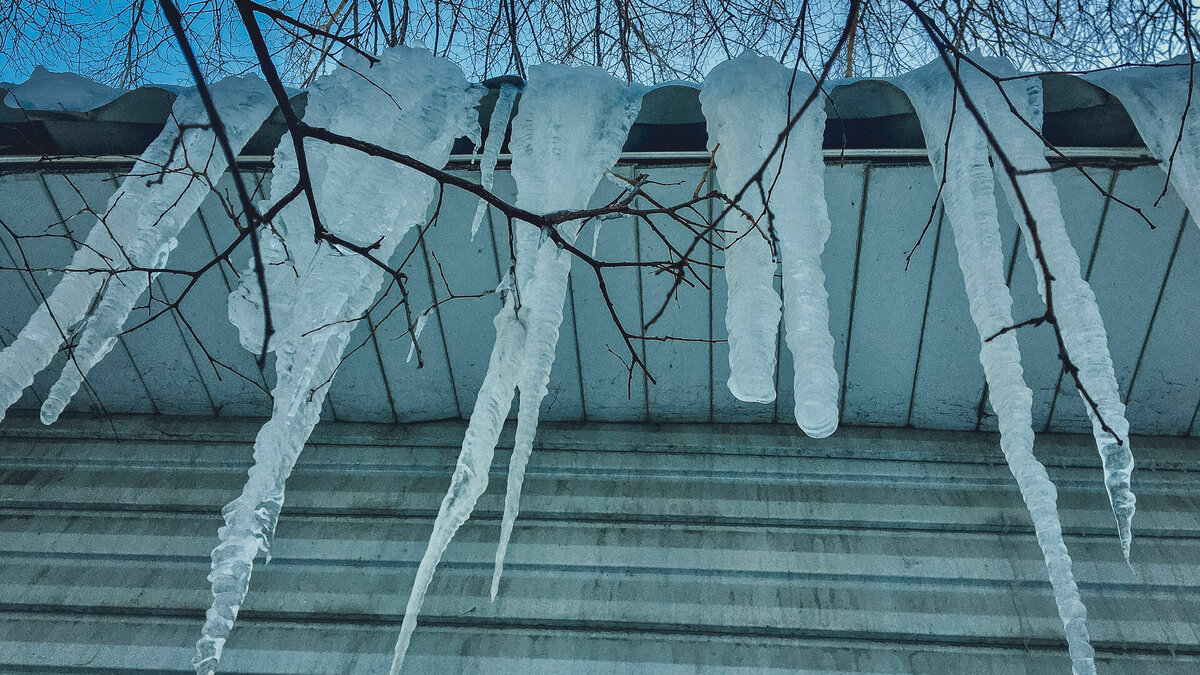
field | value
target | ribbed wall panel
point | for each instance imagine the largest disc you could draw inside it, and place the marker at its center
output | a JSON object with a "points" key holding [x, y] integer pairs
{"points": [[641, 548]]}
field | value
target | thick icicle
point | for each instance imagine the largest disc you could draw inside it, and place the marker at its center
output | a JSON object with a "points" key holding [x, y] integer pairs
{"points": [[752, 312], [416, 104], [801, 222], [497, 126], [1078, 316], [569, 131], [1156, 98], [583, 147], [165, 208], [138, 228], [970, 204]]}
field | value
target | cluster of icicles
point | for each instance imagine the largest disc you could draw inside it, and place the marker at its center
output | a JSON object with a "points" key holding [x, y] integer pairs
{"points": [[568, 133]]}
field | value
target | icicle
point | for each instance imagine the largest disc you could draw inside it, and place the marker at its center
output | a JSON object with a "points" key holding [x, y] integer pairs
{"points": [[1078, 316], [569, 131], [1156, 98], [801, 223], [138, 228], [970, 204], [497, 125], [752, 312], [416, 334], [315, 289], [162, 210]]}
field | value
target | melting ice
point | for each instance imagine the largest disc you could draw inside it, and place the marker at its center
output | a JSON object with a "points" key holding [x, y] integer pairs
{"points": [[567, 134], [137, 230], [794, 182], [316, 289], [959, 151]]}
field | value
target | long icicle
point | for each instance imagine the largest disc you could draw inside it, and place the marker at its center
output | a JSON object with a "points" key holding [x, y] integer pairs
{"points": [[497, 126], [796, 186], [569, 131], [157, 199], [752, 313], [970, 204], [318, 291], [1075, 309], [168, 207]]}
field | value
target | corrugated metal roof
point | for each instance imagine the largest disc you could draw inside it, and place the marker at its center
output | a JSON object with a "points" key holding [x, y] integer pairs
{"points": [[675, 549]]}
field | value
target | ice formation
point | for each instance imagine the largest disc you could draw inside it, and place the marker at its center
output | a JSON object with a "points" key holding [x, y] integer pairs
{"points": [[166, 208], [568, 133], [1075, 310], [969, 202], [796, 185], [137, 230], [752, 312], [45, 90], [413, 103], [1156, 98], [497, 126]]}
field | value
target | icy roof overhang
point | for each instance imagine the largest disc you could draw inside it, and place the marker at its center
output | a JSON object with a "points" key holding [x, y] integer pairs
{"points": [[906, 354], [862, 114]]}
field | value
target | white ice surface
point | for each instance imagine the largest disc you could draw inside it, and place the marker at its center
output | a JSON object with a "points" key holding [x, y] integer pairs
{"points": [[795, 182], [752, 312], [569, 131], [415, 104], [497, 126], [1156, 98], [160, 209], [136, 228], [970, 204], [1075, 309]]}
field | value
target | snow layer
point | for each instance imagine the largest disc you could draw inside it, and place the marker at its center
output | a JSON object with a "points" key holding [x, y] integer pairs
{"points": [[796, 185], [414, 103], [137, 229], [1156, 98], [970, 204], [1075, 307], [568, 133], [45, 90], [497, 126], [160, 211]]}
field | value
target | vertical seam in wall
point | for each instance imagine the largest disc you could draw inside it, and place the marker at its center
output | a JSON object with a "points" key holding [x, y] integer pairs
{"points": [[1137, 367], [212, 245], [637, 243], [177, 318], [779, 328], [1087, 275], [387, 386], [495, 245], [862, 217], [712, 352], [40, 298], [437, 310], [229, 285], [578, 358], [937, 244], [1192, 427]]}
